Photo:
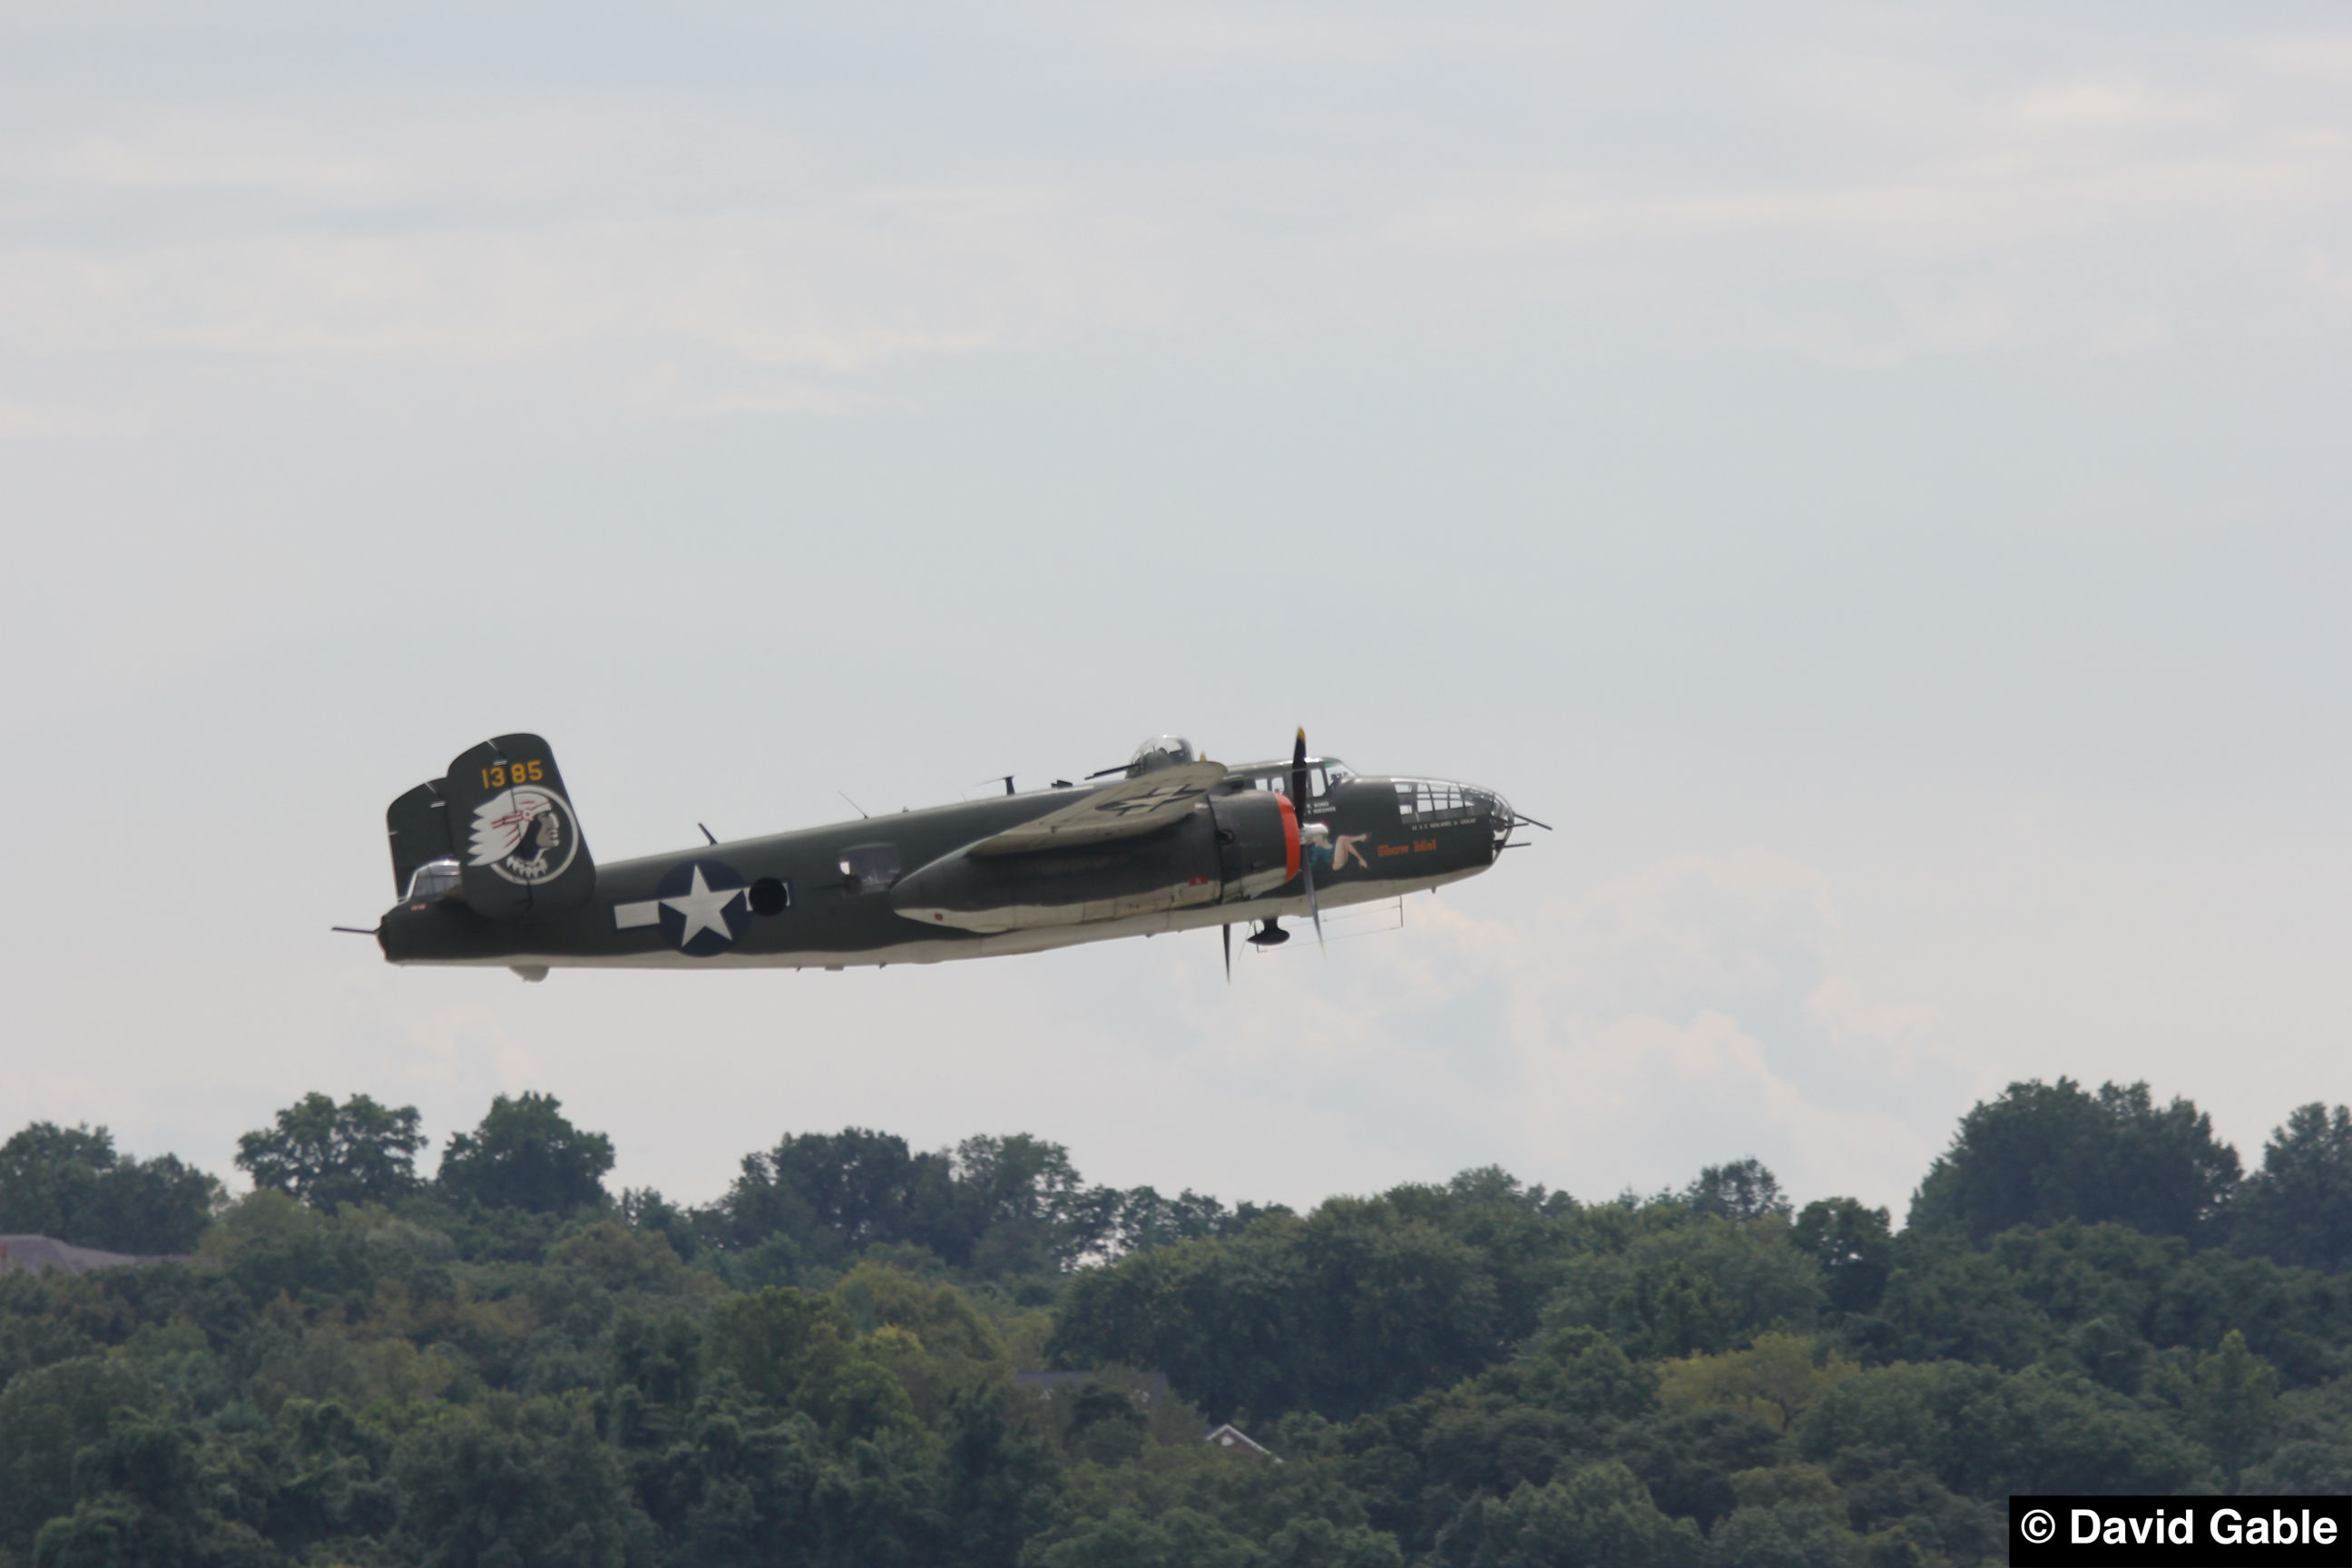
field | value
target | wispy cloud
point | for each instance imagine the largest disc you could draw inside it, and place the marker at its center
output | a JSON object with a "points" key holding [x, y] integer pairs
{"points": [[1980, 217], [1688, 1015]]}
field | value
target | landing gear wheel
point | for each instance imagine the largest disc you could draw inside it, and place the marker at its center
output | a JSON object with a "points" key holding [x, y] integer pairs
{"points": [[1270, 934]]}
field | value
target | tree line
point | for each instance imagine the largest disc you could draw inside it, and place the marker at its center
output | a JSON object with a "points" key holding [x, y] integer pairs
{"points": [[996, 1206], [504, 1363]]}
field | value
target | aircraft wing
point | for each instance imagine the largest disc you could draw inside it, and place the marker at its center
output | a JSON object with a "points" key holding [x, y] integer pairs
{"points": [[1124, 810]]}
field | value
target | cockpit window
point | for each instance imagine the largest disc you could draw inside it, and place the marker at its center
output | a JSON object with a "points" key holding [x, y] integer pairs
{"points": [[434, 879], [1422, 799], [1320, 782]]}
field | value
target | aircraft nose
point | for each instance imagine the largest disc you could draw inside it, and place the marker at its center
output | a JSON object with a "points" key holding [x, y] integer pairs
{"points": [[1495, 813]]}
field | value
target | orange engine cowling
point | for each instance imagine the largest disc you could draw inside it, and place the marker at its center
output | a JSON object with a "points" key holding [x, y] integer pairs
{"points": [[1257, 843]]}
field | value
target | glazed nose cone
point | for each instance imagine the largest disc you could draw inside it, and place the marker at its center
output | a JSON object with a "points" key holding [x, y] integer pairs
{"points": [[1495, 813]]}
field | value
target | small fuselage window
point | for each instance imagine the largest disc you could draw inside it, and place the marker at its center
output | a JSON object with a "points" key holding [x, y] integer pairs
{"points": [[869, 868], [1319, 783]]}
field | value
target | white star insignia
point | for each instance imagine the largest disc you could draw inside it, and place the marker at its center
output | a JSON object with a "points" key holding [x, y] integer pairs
{"points": [[704, 908]]}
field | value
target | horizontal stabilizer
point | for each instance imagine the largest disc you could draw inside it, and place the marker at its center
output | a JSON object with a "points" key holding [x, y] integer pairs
{"points": [[1127, 809]]}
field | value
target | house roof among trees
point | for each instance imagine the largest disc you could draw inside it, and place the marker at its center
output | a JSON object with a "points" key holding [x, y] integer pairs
{"points": [[42, 1252], [1231, 1436]]}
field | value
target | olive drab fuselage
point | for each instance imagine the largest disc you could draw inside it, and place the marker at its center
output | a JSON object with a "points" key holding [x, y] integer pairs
{"points": [[1187, 848]]}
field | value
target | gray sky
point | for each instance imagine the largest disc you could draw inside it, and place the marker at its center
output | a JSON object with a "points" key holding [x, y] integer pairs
{"points": [[1873, 477]]}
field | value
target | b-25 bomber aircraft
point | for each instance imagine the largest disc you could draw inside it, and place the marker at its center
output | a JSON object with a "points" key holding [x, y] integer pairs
{"points": [[493, 870]]}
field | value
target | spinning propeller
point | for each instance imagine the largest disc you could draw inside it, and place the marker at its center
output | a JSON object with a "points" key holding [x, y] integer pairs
{"points": [[1319, 832], [1307, 834]]}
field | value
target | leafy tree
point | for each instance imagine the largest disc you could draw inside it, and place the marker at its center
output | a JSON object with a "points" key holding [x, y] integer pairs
{"points": [[1524, 1233], [327, 1155], [1853, 1246], [835, 1194], [1682, 1286], [2107, 1352], [1745, 1189], [644, 1209], [139, 1500], [655, 1373], [1532, 1420], [1962, 1305], [2304, 1467], [617, 1258], [931, 1335], [32, 1333], [1228, 1505], [1783, 1535], [1395, 1304], [2298, 1207], [69, 1183], [1185, 1537], [1142, 1218], [46, 1416], [997, 1482], [2104, 1299], [519, 1483], [784, 1347], [875, 1295], [1354, 1307], [49, 1173], [272, 1246], [1035, 1216], [2235, 1405], [1986, 1434], [1687, 1460], [2044, 1152], [1179, 1538], [1772, 1380], [333, 1485], [750, 1483], [1601, 1517], [1001, 1207], [527, 1155], [1909, 1518]]}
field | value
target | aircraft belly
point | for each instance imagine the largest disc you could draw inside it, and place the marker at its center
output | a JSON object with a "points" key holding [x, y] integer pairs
{"points": [[940, 948], [1088, 912]]}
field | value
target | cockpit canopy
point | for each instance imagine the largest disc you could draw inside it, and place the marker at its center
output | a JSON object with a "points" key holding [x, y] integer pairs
{"points": [[1161, 752]]}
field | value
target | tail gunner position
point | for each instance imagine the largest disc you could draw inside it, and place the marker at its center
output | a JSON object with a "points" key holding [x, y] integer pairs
{"points": [[493, 869]]}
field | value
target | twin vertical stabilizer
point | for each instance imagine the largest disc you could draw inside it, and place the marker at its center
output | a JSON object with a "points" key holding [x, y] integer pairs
{"points": [[502, 821]]}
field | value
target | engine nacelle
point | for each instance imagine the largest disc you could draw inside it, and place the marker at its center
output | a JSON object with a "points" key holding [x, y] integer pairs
{"points": [[1170, 869], [1257, 843], [1230, 848]]}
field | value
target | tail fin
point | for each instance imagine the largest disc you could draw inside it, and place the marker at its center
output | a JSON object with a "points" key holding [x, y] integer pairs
{"points": [[502, 813], [418, 825]]}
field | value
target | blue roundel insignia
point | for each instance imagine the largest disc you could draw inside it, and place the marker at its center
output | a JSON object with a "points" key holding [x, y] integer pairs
{"points": [[704, 908]]}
